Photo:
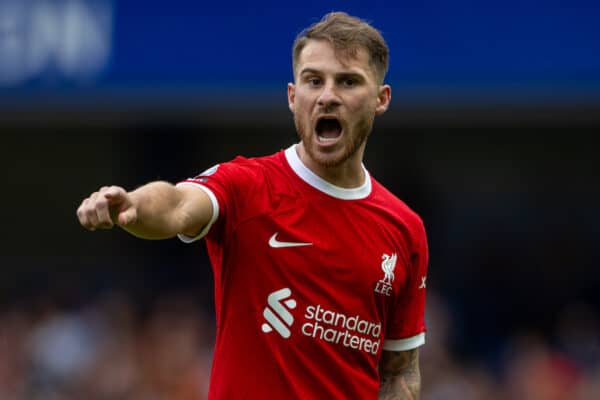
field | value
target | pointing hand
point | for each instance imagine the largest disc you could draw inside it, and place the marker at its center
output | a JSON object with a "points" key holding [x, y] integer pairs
{"points": [[107, 207]]}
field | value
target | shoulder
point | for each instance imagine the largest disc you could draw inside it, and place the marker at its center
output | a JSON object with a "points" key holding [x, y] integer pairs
{"points": [[272, 161], [394, 205], [245, 169], [398, 212]]}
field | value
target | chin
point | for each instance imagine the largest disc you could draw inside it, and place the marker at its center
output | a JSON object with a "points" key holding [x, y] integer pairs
{"points": [[328, 159]]}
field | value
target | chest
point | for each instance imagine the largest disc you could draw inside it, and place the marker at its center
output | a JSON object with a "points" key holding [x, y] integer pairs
{"points": [[337, 253]]}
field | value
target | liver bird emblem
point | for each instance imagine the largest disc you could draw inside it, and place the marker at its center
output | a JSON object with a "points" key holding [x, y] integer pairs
{"points": [[388, 264]]}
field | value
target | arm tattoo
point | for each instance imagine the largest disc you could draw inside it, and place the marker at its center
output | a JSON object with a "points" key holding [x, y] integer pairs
{"points": [[400, 375]]}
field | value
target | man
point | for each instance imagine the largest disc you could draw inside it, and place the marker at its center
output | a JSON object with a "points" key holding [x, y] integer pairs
{"points": [[319, 271]]}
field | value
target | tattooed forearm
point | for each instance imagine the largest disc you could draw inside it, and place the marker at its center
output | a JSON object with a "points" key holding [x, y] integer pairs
{"points": [[400, 375]]}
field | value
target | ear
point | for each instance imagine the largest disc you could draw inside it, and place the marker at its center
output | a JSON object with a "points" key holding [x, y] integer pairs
{"points": [[291, 91], [383, 99]]}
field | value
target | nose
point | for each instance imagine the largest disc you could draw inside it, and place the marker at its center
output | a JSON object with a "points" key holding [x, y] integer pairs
{"points": [[328, 97]]}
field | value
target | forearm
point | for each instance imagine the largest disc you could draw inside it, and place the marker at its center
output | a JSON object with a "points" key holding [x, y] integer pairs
{"points": [[158, 209], [400, 388], [400, 376]]}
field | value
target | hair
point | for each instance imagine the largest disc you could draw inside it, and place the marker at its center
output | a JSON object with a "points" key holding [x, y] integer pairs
{"points": [[347, 35]]}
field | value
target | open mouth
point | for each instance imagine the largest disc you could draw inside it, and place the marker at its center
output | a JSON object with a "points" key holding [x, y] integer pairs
{"points": [[328, 129]]}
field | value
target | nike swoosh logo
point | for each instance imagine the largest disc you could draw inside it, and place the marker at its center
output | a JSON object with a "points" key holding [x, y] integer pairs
{"points": [[273, 242]]}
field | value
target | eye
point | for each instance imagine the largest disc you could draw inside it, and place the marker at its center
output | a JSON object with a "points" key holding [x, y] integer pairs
{"points": [[314, 81], [349, 81]]}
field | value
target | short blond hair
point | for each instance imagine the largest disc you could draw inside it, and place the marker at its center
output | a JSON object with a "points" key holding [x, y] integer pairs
{"points": [[347, 35]]}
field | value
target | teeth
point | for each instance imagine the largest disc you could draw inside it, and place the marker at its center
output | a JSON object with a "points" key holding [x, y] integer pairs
{"points": [[323, 139]]}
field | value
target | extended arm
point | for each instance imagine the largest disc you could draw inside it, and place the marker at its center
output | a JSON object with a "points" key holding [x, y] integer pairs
{"points": [[400, 375], [157, 210]]}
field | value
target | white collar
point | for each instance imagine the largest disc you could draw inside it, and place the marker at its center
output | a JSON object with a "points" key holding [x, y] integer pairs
{"points": [[321, 184]]}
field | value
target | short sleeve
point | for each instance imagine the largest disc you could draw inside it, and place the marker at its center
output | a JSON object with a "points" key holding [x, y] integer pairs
{"points": [[215, 216], [406, 327], [227, 185]]}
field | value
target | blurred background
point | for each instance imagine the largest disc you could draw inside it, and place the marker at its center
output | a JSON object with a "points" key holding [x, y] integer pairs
{"points": [[490, 137]]}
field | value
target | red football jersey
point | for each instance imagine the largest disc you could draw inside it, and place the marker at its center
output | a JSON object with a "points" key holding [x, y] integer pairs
{"points": [[312, 280]]}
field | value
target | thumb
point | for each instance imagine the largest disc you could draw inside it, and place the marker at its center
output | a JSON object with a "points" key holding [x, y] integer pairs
{"points": [[127, 216]]}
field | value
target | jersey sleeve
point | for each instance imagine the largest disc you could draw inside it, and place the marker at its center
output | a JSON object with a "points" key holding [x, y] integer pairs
{"points": [[406, 327], [227, 185]]}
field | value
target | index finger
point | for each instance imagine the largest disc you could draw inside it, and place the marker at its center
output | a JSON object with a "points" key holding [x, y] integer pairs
{"points": [[114, 193]]}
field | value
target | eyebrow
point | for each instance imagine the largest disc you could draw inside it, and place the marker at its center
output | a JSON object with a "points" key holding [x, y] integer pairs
{"points": [[343, 74], [354, 75], [309, 71]]}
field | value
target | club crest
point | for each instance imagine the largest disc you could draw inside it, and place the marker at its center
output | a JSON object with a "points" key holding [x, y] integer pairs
{"points": [[388, 264]]}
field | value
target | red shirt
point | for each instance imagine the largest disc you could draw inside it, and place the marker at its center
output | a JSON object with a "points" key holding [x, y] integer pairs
{"points": [[312, 280]]}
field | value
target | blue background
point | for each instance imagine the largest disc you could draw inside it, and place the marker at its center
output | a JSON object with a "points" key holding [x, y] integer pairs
{"points": [[466, 50]]}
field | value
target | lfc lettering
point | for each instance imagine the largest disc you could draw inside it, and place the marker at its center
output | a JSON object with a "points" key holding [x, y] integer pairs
{"points": [[383, 288]]}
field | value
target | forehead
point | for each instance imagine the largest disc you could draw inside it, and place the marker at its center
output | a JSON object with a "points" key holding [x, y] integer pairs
{"points": [[320, 54]]}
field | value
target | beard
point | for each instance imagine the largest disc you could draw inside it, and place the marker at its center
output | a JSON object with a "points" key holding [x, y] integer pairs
{"points": [[352, 142]]}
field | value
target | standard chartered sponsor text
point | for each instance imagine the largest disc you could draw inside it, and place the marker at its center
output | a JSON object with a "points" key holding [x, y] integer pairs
{"points": [[334, 327]]}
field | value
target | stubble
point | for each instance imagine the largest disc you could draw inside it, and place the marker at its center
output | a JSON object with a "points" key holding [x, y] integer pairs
{"points": [[356, 140]]}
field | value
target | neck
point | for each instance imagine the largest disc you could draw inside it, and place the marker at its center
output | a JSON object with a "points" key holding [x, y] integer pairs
{"points": [[349, 174]]}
